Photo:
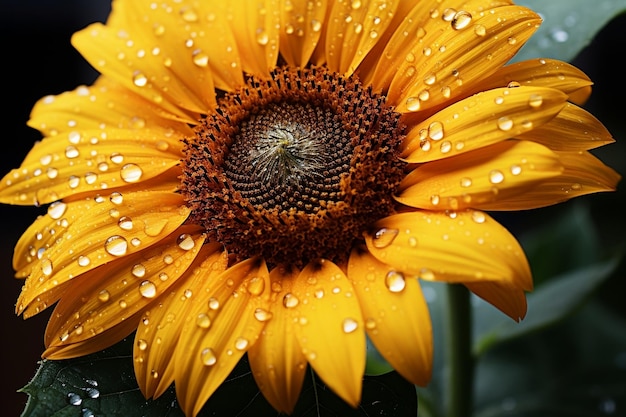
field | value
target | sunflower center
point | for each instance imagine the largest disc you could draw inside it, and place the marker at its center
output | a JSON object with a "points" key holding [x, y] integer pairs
{"points": [[293, 168]]}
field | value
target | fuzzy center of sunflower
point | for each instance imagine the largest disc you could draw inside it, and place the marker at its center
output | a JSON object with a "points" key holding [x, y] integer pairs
{"points": [[293, 168]]}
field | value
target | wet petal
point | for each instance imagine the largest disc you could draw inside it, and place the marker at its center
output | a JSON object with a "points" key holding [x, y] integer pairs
{"points": [[207, 354], [255, 26], [159, 328], [102, 105], [542, 72], [276, 360], [301, 26], [480, 120], [459, 47], [121, 54], [330, 327], [508, 299], [476, 179], [354, 27], [209, 44], [573, 129], [396, 315], [465, 246], [108, 297], [88, 161], [583, 174], [117, 226]]}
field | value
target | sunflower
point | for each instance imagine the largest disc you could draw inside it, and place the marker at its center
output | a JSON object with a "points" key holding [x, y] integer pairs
{"points": [[273, 178]]}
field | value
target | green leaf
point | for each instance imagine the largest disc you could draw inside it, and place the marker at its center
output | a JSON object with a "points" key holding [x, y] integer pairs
{"points": [[568, 26], [548, 304], [576, 369], [104, 384]]}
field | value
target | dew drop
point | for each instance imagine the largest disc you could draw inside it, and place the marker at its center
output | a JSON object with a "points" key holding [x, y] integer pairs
{"points": [[125, 223], [123, 304], [46, 267], [203, 321], [319, 293], [461, 20], [290, 300], [466, 182], [74, 399], [104, 296], [434, 199], [445, 146], [516, 169], [207, 356], [131, 173], [256, 286], [480, 30], [349, 325], [139, 79], [142, 344], [147, 289], [430, 79], [116, 198], [479, 217], [138, 270], [435, 131], [71, 152], [241, 343], [92, 392], [496, 176], [116, 245], [262, 37], [505, 123], [262, 315], [57, 209], [412, 104], [384, 237], [395, 281], [185, 242], [316, 25], [426, 274], [214, 303], [73, 181], [116, 158], [200, 58]]}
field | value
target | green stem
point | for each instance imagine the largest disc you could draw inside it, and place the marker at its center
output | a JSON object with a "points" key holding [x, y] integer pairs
{"points": [[458, 351]]}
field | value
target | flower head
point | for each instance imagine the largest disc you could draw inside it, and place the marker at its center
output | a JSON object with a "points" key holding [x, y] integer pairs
{"points": [[273, 179]]}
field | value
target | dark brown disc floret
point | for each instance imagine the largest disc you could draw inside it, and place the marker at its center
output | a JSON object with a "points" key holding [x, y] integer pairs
{"points": [[293, 168]]}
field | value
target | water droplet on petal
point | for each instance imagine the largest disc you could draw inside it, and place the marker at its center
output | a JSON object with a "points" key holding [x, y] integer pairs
{"points": [[535, 101], [290, 300], [214, 303], [480, 30], [185, 242], [125, 223], [349, 325], [478, 216], [384, 237], [104, 296], [466, 182], [116, 245], [138, 270], [496, 176], [203, 321], [207, 356], [131, 173], [256, 286], [395, 281], [505, 123], [116, 198], [435, 131], [142, 344], [46, 267], [147, 289], [262, 315], [461, 20], [139, 79], [241, 343], [57, 209]]}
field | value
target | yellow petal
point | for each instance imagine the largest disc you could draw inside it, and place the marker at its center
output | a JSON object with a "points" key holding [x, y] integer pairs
{"points": [[464, 246], [476, 179], [542, 72], [354, 27], [106, 104], [255, 27], [573, 129], [395, 48], [206, 355], [276, 360], [330, 327], [457, 48], [159, 327], [114, 227], [396, 315], [209, 44], [301, 27], [122, 54], [508, 299], [583, 174], [480, 120], [108, 297]]}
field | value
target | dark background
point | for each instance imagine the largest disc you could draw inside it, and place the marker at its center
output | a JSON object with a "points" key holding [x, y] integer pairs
{"points": [[37, 59]]}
